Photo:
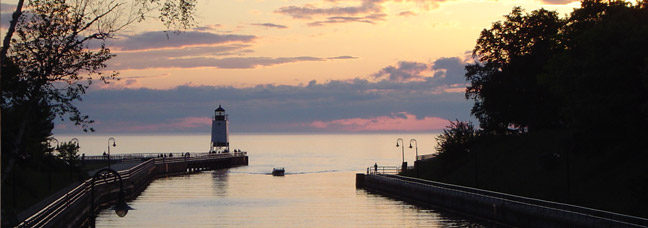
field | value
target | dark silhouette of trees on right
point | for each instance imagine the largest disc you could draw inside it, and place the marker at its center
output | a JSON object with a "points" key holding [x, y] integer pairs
{"points": [[587, 73], [562, 104]]}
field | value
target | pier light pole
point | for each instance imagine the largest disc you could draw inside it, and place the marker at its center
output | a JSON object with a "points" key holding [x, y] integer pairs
{"points": [[114, 145], [57, 144], [416, 145], [49, 163], [402, 151], [121, 208], [76, 142]]}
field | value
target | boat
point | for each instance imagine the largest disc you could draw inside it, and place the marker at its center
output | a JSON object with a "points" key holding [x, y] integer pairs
{"points": [[278, 171]]}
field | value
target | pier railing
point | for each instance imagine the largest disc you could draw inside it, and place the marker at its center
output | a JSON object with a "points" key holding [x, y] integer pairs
{"points": [[456, 193], [58, 209], [197, 157], [69, 206], [144, 156], [383, 170]]}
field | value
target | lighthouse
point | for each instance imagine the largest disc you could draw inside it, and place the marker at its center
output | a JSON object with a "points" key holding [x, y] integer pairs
{"points": [[219, 134]]}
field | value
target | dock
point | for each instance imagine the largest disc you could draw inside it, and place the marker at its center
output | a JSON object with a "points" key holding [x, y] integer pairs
{"points": [[137, 171]]}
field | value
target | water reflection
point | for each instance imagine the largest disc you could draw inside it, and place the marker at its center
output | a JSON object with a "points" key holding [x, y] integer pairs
{"points": [[219, 178], [230, 199]]}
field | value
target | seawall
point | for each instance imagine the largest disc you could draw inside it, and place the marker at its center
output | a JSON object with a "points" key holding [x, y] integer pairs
{"points": [[498, 207], [73, 209]]}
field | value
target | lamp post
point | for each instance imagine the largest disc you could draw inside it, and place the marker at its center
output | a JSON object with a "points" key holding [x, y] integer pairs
{"points": [[76, 142], [57, 144], [402, 151], [49, 163], [415, 145], [121, 208], [114, 145]]}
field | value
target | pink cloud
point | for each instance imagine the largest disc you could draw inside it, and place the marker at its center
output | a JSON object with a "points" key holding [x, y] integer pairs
{"points": [[401, 121]]}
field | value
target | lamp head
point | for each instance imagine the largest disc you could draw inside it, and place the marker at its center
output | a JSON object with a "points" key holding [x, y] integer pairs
{"points": [[114, 145], [121, 208], [410, 145], [397, 144]]}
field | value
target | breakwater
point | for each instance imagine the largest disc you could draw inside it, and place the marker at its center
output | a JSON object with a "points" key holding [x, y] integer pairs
{"points": [[498, 207], [73, 209]]}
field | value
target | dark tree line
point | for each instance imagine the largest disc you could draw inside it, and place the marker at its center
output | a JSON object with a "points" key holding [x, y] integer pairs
{"points": [[586, 74], [52, 52]]}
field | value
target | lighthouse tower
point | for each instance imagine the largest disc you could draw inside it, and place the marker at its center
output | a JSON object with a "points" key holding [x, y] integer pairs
{"points": [[219, 134]]}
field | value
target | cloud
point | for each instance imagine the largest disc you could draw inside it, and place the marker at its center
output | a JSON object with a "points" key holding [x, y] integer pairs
{"points": [[449, 70], [338, 105], [343, 57], [443, 71], [184, 124], [271, 25], [159, 40], [557, 2], [334, 11], [5, 14], [401, 121], [369, 11], [404, 71], [7, 8], [207, 59], [309, 11], [370, 19], [406, 13], [207, 27]]}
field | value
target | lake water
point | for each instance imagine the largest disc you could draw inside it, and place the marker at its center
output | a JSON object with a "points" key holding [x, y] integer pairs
{"points": [[317, 191]]}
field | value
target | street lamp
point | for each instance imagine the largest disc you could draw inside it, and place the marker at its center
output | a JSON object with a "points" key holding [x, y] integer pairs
{"points": [[57, 144], [416, 145], [121, 208], [76, 142], [402, 151], [114, 145], [49, 163]]}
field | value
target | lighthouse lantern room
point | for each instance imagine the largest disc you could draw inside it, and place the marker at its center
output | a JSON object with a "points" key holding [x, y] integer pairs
{"points": [[219, 134]]}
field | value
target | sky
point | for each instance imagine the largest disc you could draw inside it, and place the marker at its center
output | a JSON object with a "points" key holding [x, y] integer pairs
{"points": [[297, 66]]}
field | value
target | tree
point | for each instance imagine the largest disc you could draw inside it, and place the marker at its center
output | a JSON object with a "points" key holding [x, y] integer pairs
{"points": [[455, 138], [55, 49], [68, 151], [602, 74], [504, 81]]}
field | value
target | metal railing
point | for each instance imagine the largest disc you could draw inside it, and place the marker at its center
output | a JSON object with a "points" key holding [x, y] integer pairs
{"points": [[383, 170], [48, 215], [144, 156], [197, 157], [627, 220], [79, 195]]}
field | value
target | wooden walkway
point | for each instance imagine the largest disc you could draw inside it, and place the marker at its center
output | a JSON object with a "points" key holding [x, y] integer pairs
{"points": [[72, 208]]}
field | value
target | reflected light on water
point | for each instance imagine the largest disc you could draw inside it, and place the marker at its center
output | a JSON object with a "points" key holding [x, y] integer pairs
{"points": [[226, 199], [317, 191]]}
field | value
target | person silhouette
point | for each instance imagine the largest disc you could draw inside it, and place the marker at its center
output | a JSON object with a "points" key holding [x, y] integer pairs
{"points": [[376, 167]]}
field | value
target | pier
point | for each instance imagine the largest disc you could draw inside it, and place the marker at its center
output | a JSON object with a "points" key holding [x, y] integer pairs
{"points": [[73, 208], [498, 207]]}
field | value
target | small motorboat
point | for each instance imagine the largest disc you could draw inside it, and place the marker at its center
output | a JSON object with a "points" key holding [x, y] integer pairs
{"points": [[278, 171]]}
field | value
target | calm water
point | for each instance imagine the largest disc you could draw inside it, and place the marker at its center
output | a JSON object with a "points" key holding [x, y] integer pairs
{"points": [[317, 191]]}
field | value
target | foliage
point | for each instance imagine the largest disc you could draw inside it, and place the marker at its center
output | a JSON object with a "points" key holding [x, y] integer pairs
{"points": [[52, 52], [511, 55], [455, 138], [581, 73], [68, 151]]}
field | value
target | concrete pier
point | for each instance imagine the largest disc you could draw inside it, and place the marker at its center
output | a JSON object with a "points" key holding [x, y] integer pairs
{"points": [[494, 206], [73, 208]]}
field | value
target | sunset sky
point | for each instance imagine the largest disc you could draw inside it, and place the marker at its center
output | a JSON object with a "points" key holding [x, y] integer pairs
{"points": [[297, 66]]}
